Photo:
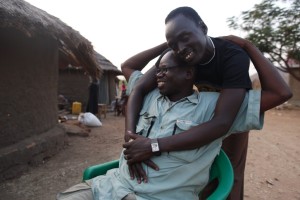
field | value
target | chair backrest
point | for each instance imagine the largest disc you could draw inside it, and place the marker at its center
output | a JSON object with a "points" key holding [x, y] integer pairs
{"points": [[220, 169]]}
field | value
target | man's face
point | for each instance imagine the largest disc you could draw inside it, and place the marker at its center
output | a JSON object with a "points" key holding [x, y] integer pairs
{"points": [[170, 76], [186, 39]]}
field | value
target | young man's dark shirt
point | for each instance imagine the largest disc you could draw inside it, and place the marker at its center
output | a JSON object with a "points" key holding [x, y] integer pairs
{"points": [[228, 69]]}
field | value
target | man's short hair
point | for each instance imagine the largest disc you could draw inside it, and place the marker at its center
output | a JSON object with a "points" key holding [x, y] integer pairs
{"points": [[189, 13]]}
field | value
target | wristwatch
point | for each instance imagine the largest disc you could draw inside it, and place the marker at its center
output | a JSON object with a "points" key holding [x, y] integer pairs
{"points": [[155, 147]]}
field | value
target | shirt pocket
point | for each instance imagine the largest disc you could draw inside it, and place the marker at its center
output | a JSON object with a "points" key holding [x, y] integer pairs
{"points": [[183, 125], [185, 156], [145, 124]]}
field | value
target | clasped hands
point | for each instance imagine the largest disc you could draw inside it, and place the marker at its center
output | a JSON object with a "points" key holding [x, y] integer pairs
{"points": [[138, 151]]}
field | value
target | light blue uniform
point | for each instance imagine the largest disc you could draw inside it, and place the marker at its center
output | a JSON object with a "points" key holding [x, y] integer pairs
{"points": [[182, 174]]}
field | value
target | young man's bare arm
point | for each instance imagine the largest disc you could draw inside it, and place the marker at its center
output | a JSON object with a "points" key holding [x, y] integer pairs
{"points": [[142, 87], [137, 63], [275, 91]]}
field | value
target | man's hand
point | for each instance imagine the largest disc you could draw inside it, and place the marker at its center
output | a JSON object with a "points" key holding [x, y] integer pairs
{"points": [[136, 171], [138, 149], [235, 39], [127, 136]]}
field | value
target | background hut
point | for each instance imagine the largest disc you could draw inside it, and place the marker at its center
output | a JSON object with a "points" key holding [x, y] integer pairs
{"points": [[34, 45], [107, 86], [74, 82]]}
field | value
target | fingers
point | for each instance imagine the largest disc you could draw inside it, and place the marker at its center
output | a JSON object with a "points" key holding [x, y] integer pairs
{"points": [[137, 171], [130, 161], [125, 157], [127, 136], [140, 171], [131, 172], [127, 144], [132, 135], [125, 152], [136, 174], [151, 164]]}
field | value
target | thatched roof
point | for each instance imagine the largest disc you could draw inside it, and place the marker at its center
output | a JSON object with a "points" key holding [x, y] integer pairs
{"points": [[106, 65], [74, 49]]}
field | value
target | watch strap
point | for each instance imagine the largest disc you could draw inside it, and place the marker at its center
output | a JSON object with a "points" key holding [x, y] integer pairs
{"points": [[155, 147]]}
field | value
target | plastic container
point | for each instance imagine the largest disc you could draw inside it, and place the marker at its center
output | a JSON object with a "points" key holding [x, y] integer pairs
{"points": [[76, 108]]}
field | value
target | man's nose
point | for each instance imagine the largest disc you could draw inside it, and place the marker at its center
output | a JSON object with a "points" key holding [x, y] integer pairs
{"points": [[180, 48], [160, 74]]}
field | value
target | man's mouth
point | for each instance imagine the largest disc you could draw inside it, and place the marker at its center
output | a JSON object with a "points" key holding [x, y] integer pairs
{"points": [[160, 84], [187, 55]]}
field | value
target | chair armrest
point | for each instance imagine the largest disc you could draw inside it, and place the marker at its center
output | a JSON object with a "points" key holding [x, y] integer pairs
{"points": [[100, 169]]}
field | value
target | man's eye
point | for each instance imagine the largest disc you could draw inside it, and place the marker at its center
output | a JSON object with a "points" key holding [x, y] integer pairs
{"points": [[184, 38], [172, 45]]}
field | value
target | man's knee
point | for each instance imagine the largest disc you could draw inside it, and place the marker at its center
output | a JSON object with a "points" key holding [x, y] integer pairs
{"points": [[81, 191]]}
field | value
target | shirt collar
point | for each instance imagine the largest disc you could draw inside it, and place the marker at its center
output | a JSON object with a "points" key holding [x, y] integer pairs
{"points": [[193, 98]]}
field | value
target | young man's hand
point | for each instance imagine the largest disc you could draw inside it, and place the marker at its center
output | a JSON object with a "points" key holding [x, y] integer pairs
{"points": [[137, 149]]}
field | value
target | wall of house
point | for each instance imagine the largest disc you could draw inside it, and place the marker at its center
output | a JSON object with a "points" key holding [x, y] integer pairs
{"points": [[104, 89], [107, 88], [28, 85], [112, 87], [29, 129], [74, 85]]}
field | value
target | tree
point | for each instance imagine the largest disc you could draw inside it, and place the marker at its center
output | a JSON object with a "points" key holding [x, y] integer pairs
{"points": [[274, 27]]}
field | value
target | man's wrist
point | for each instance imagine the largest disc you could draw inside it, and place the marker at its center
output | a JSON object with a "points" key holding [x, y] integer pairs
{"points": [[155, 147]]}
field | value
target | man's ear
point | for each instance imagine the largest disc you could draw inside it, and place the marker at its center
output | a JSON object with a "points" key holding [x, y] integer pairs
{"points": [[189, 73]]}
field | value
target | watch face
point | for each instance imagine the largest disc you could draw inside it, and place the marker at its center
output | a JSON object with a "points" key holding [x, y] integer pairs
{"points": [[154, 147]]}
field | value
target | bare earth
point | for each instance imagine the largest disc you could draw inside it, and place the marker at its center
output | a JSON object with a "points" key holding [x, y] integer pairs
{"points": [[272, 172]]}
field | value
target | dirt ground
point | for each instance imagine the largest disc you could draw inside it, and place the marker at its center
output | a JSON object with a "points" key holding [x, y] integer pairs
{"points": [[272, 171]]}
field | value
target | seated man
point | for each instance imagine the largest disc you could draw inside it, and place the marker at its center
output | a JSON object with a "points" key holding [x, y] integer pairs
{"points": [[168, 110]]}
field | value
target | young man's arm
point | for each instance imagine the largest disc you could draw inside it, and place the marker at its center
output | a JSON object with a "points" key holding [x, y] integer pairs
{"points": [[137, 63], [146, 84], [273, 94], [275, 91], [226, 109]]}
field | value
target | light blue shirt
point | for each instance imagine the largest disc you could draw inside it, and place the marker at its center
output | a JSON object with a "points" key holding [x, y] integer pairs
{"points": [[182, 174]]}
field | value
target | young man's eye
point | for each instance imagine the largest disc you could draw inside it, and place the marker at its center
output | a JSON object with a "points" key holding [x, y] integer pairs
{"points": [[185, 38], [172, 45]]}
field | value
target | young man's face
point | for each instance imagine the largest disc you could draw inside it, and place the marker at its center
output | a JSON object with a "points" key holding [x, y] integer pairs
{"points": [[186, 39]]}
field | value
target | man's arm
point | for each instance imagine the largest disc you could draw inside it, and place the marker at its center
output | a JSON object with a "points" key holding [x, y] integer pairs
{"points": [[146, 84], [273, 94], [140, 60], [140, 149], [275, 91]]}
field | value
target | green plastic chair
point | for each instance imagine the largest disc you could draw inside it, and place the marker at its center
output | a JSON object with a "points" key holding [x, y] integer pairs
{"points": [[221, 169]]}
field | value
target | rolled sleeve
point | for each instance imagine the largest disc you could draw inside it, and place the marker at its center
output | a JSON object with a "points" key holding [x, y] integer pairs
{"points": [[249, 116], [135, 76]]}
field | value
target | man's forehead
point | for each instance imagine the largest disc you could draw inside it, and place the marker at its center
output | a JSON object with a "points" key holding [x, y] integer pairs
{"points": [[168, 59]]}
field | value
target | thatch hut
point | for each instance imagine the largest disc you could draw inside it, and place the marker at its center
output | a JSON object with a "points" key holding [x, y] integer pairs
{"points": [[107, 86], [74, 83], [34, 45]]}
